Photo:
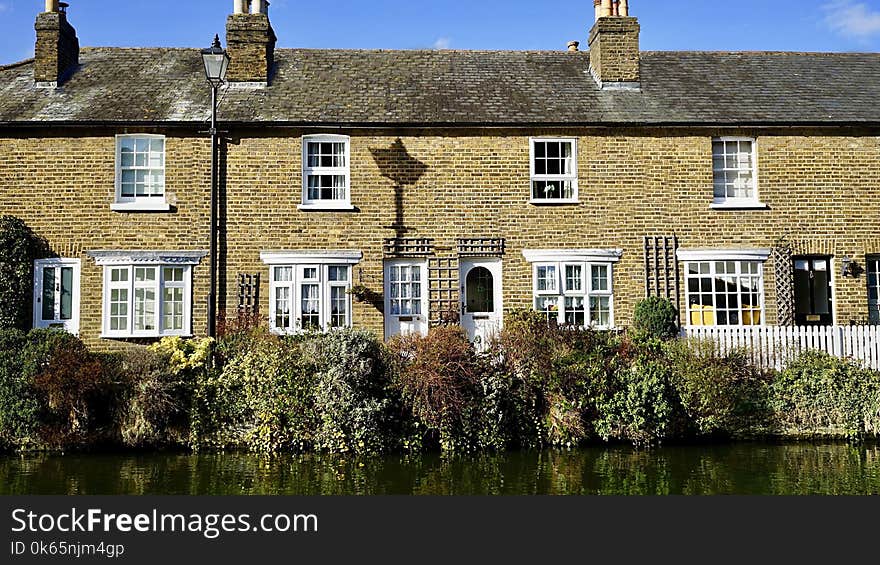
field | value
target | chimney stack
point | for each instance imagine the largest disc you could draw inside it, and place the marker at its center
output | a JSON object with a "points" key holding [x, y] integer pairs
{"points": [[614, 46], [56, 54], [250, 43]]}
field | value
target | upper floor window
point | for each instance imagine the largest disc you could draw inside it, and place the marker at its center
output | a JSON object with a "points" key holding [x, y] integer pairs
{"points": [[554, 171], [326, 172], [140, 173], [735, 172]]}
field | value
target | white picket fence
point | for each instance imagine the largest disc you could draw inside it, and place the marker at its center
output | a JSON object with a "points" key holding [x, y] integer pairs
{"points": [[772, 347]]}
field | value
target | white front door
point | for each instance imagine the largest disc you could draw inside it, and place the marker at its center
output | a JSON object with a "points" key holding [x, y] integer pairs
{"points": [[406, 298], [56, 294], [482, 308]]}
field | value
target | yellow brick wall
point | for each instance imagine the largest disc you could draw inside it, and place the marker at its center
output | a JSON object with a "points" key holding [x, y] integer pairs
{"points": [[819, 186]]}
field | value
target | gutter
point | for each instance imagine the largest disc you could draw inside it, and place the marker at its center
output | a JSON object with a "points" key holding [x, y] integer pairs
{"points": [[436, 125]]}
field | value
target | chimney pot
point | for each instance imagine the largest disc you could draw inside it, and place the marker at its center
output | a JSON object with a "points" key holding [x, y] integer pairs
{"points": [[607, 9], [573, 46], [51, 6], [239, 6]]}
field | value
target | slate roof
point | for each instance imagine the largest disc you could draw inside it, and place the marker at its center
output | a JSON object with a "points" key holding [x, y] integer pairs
{"points": [[410, 88]]}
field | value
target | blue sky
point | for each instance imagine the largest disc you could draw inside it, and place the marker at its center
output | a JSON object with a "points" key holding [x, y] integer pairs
{"points": [[795, 25]]}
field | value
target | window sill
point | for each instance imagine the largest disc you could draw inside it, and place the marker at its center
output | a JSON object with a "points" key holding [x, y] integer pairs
{"points": [[144, 336], [742, 205], [326, 208], [140, 207], [560, 202]]}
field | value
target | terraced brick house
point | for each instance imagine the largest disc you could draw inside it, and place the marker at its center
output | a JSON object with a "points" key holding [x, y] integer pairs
{"points": [[396, 190]]}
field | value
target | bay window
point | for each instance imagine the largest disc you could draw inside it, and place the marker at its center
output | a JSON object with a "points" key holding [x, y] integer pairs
{"points": [[310, 291], [574, 287], [147, 294], [724, 288]]}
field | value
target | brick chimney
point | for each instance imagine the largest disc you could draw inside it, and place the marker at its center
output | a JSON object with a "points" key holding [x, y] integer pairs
{"points": [[56, 54], [614, 46], [250, 42]]}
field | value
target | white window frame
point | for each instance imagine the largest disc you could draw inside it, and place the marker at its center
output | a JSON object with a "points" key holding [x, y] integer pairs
{"points": [[753, 202], [572, 177], [72, 325], [140, 203], [129, 261], [158, 286], [713, 256], [319, 204], [586, 259], [298, 262], [422, 320]]}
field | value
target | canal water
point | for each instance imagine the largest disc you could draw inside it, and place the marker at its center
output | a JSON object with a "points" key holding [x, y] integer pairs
{"points": [[798, 469]]}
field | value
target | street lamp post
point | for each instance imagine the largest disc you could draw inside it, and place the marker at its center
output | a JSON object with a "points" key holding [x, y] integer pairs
{"points": [[216, 64]]}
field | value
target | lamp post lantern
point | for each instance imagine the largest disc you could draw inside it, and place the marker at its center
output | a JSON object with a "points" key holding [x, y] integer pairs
{"points": [[216, 63]]}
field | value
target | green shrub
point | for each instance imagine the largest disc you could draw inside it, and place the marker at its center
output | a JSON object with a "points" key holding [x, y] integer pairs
{"points": [[351, 393], [656, 318], [638, 404], [821, 394], [19, 402], [69, 381], [154, 407], [20, 248], [316, 392], [721, 395]]}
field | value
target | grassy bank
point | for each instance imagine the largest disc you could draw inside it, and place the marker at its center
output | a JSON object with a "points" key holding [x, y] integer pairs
{"points": [[536, 386]]}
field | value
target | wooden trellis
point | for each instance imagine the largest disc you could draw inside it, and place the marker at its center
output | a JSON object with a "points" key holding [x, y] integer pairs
{"points": [[661, 268], [248, 295], [784, 271], [408, 247], [481, 247], [444, 294]]}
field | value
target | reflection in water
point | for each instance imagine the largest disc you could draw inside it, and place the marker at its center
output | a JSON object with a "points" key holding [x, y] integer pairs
{"points": [[731, 469]]}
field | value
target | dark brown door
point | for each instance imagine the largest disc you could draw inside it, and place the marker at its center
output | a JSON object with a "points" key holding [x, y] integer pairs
{"points": [[812, 291]]}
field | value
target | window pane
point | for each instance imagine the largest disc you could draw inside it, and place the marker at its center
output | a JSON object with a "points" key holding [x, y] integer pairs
{"points": [[600, 311], [310, 307], [48, 293], [574, 278], [338, 307], [66, 293], [283, 274], [119, 309], [172, 308], [173, 274], [282, 308], [144, 310], [338, 274], [575, 311], [547, 279], [600, 278]]}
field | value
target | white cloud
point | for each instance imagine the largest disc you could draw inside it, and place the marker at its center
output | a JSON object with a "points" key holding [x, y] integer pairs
{"points": [[852, 18], [442, 43]]}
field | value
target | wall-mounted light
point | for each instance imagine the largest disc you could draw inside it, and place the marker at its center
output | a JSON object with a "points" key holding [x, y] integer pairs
{"points": [[850, 267]]}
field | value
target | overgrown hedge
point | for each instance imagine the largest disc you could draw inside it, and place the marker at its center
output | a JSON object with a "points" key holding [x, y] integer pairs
{"points": [[21, 246], [536, 386]]}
